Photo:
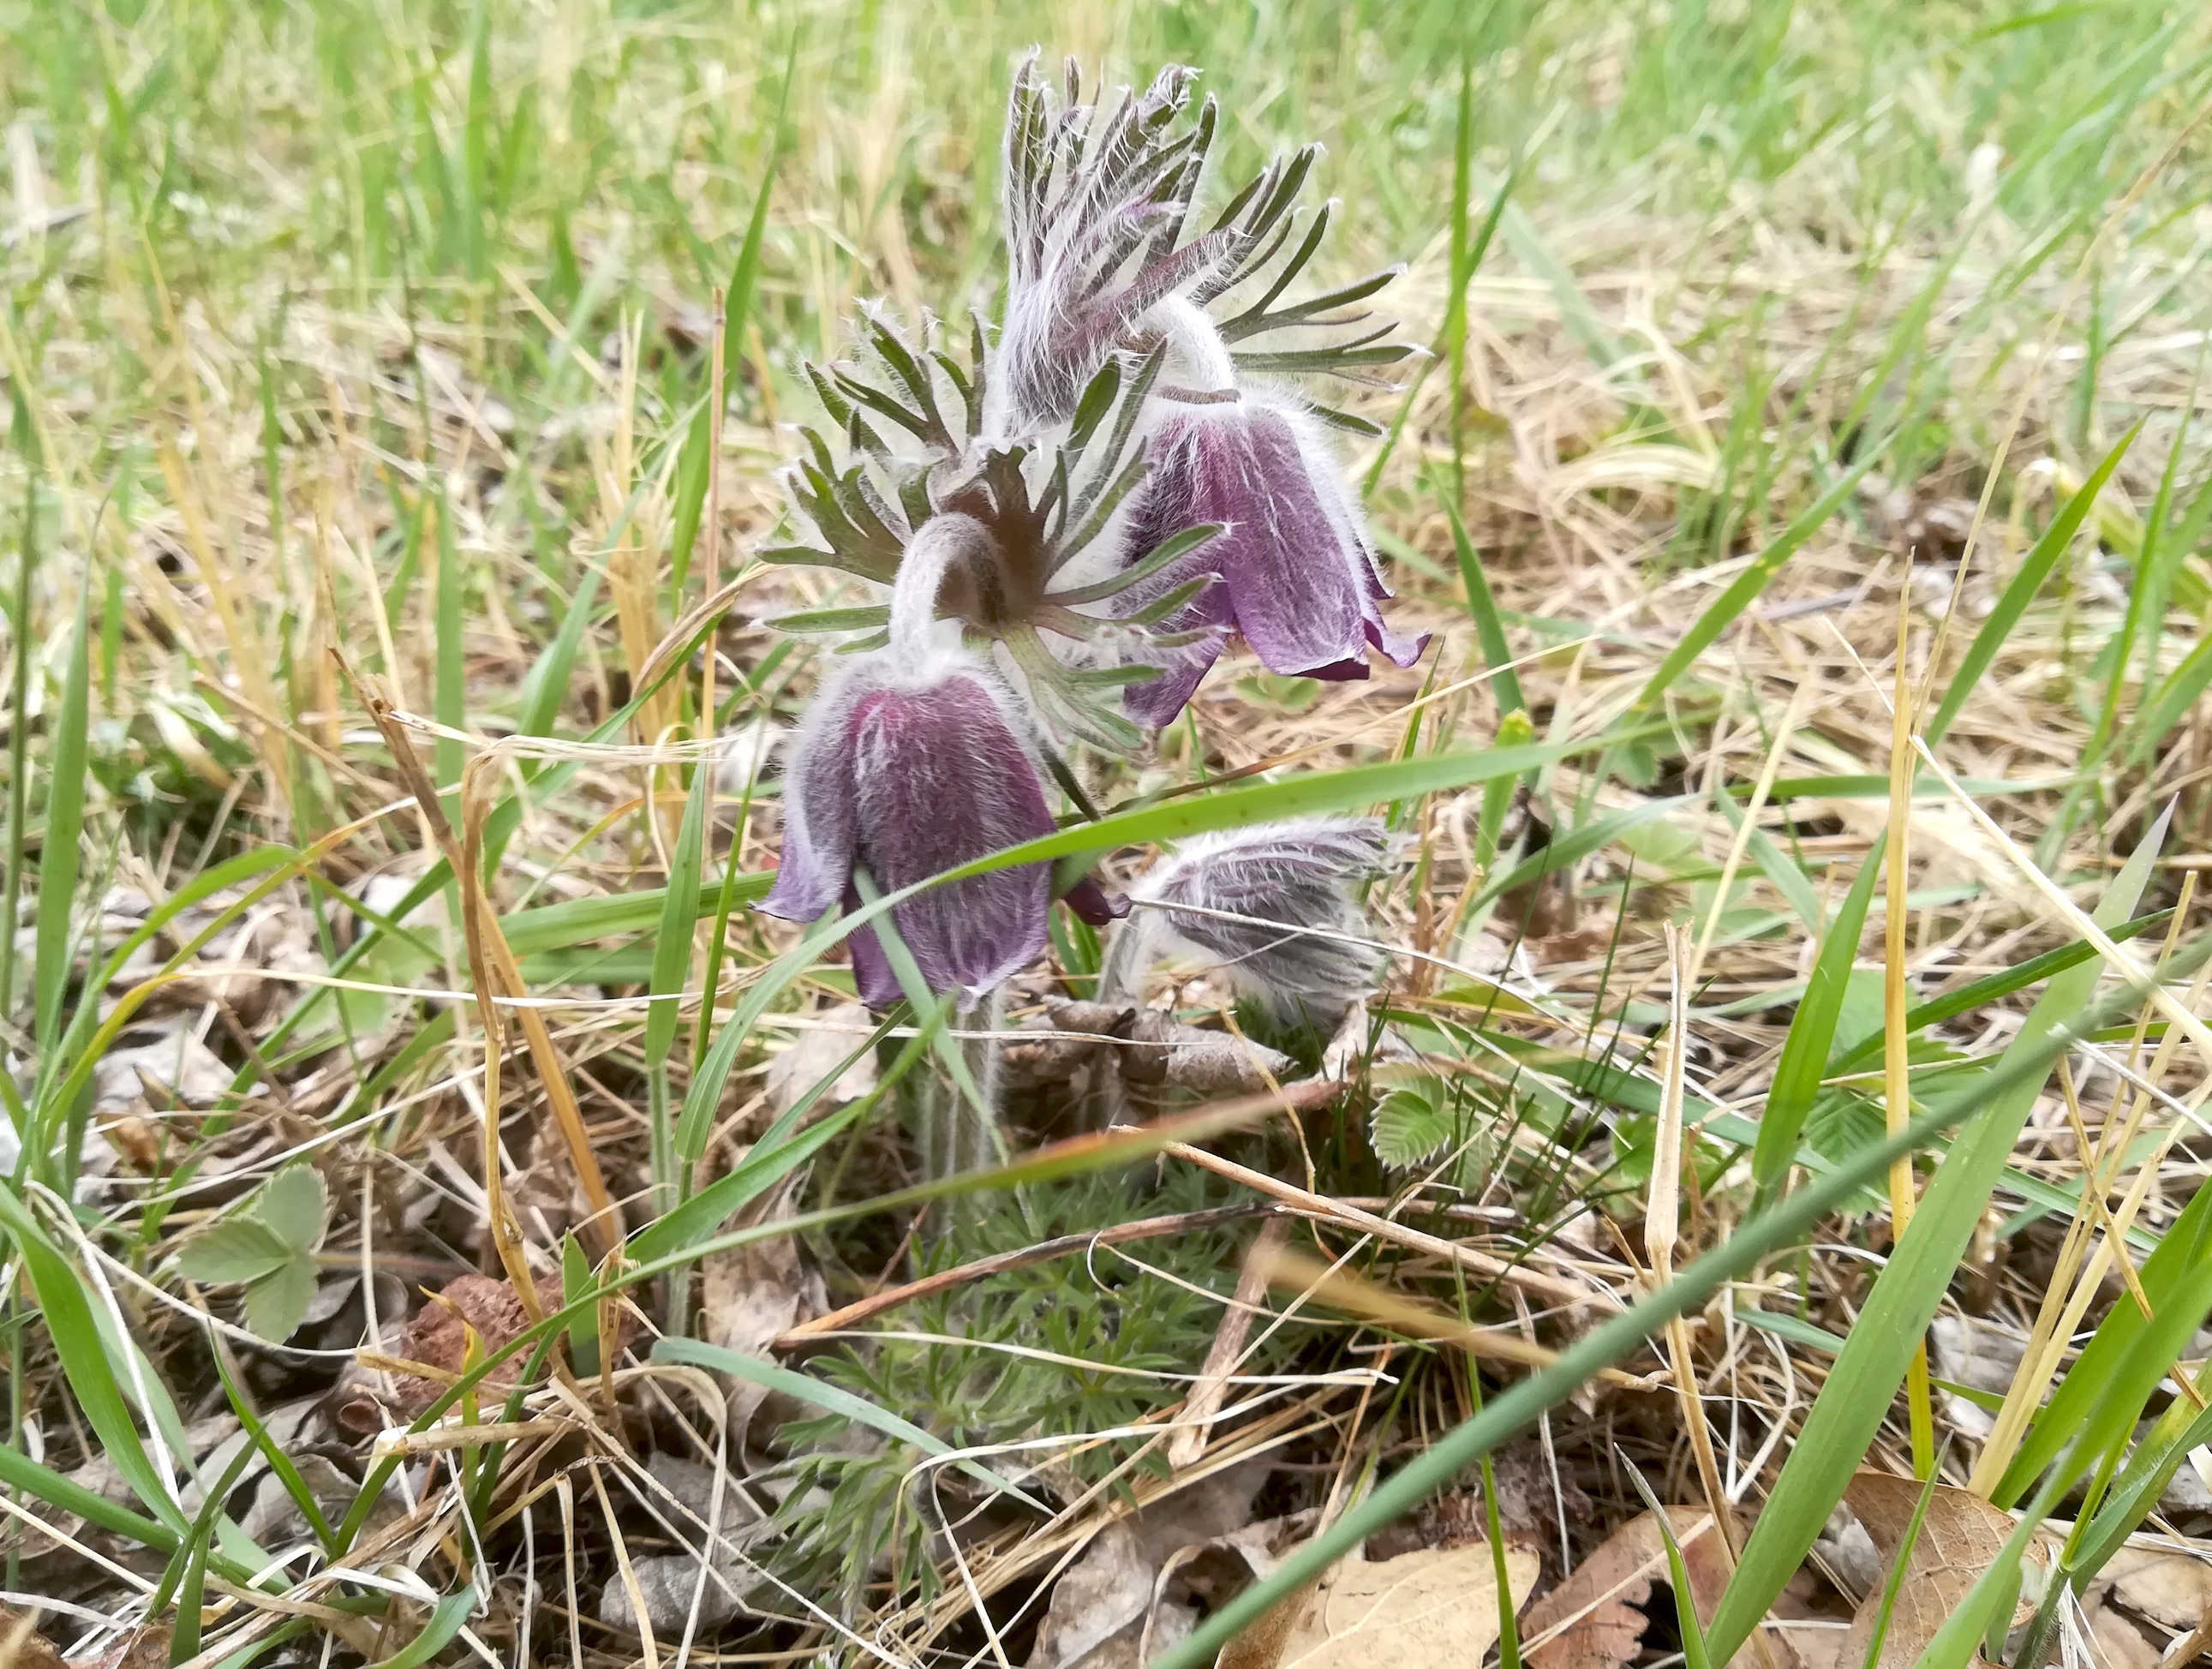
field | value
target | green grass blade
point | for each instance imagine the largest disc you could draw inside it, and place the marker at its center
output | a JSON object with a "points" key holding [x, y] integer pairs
{"points": [[2134, 1492], [2147, 594], [449, 697], [1490, 630], [499, 827], [1775, 864], [280, 1463], [576, 921], [1564, 849], [2155, 587], [745, 276], [693, 474], [25, 438], [1993, 988], [2175, 700], [1464, 268], [1894, 1583], [679, 915], [476, 141], [781, 1149], [583, 1330], [1694, 1653], [1744, 589], [546, 683], [448, 1619], [66, 1304], [1521, 1404], [2034, 568], [1812, 1036], [1895, 1318], [1984, 1613], [2103, 1393], [66, 772], [1528, 244], [19, 1471]]}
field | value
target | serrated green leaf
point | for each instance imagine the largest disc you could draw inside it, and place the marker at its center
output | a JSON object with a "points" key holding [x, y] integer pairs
{"points": [[295, 1207], [276, 1303], [241, 1248], [1408, 1126]]}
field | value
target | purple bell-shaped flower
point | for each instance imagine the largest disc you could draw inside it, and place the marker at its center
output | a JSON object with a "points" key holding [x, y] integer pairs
{"points": [[913, 761], [1293, 569]]}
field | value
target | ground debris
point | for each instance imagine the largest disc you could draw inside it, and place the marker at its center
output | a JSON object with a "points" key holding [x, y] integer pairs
{"points": [[708, 1583], [1960, 1537], [436, 1341], [1436, 1609], [1595, 1619], [22, 1645], [1116, 1606]]}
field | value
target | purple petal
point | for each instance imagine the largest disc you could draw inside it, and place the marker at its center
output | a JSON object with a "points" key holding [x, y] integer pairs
{"points": [[1164, 511], [1155, 702], [1353, 669], [818, 812], [1296, 599], [940, 778], [1402, 649], [1093, 903], [871, 969]]}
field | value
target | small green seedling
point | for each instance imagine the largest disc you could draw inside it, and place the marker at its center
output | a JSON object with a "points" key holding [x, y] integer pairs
{"points": [[269, 1248]]}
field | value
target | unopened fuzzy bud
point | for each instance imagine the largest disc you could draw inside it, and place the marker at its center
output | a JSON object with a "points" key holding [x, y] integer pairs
{"points": [[1273, 905]]}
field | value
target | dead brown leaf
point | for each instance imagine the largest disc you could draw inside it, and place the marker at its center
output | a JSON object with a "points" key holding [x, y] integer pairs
{"points": [[142, 1648], [1592, 1620], [1436, 1609], [749, 1295], [1959, 1541], [1114, 1607], [816, 1052], [436, 1339], [2119, 1643], [2167, 1586], [22, 1645]]}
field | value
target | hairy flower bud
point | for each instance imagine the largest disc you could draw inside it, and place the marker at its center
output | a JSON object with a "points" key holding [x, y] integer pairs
{"points": [[1093, 224], [910, 772], [1273, 904], [1294, 572]]}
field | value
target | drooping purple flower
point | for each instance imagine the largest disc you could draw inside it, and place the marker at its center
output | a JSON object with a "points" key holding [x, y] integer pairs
{"points": [[1271, 904], [1293, 569], [910, 775]]}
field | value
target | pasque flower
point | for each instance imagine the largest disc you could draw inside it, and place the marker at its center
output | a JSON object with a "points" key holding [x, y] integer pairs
{"points": [[1291, 566], [915, 760], [1122, 478], [1271, 904]]}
